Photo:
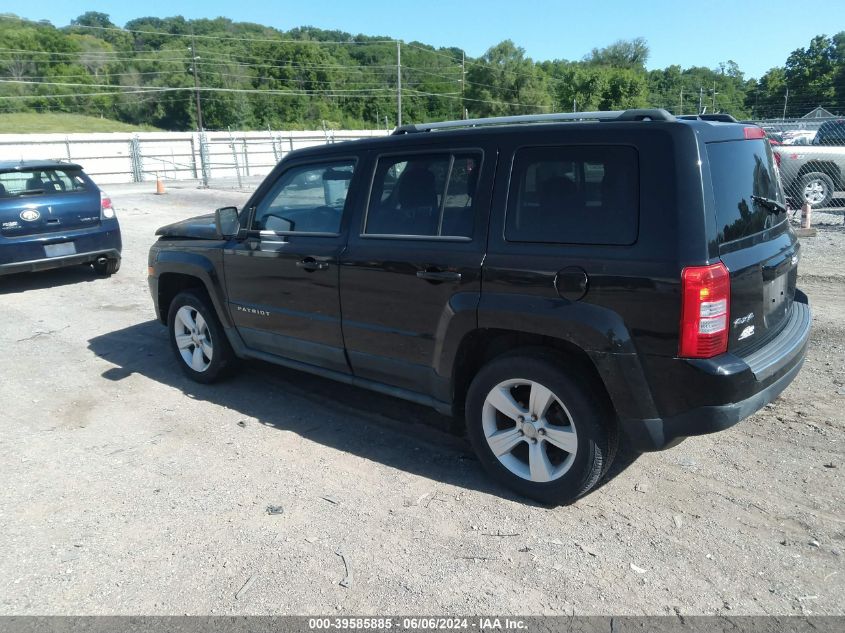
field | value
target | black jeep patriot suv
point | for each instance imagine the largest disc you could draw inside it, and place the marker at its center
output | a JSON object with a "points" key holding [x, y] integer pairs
{"points": [[553, 279]]}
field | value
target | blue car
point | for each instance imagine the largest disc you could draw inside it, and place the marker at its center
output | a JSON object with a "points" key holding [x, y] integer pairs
{"points": [[53, 215]]}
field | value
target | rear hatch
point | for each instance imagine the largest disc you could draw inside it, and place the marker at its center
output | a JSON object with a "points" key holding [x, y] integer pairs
{"points": [[754, 239], [46, 200]]}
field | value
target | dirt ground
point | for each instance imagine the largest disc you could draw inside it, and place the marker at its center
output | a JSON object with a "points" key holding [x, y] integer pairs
{"points": [[130, 490]]}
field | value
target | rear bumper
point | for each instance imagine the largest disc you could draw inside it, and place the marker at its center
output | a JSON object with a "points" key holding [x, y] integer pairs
{"points": [[755, 380], [27, 254], [57, 262]]}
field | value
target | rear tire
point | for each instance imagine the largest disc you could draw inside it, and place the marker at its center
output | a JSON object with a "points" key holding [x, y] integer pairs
{"points": [[558, 455], [816, 188], [197, 338], [108, 268]]}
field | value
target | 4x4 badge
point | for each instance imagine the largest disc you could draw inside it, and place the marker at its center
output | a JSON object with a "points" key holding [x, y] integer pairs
{"points": [[742, 320]]}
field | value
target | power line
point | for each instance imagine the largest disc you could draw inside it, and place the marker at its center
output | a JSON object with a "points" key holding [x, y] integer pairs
{"points": [[158, 90], [184, 58], [456, 95]]}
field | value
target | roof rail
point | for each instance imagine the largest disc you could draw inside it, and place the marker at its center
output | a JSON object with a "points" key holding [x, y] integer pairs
{"points": [[722, 118], [608, 115]]}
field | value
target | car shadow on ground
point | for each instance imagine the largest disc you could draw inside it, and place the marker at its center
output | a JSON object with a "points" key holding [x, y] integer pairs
{"points": [[21, 282], [387, 430]]}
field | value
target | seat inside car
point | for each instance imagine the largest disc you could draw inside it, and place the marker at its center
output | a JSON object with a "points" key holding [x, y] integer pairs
{"points": [[414, 208], [34, 182]]}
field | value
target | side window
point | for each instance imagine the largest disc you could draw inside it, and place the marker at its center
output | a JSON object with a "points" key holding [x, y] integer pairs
{"points": [[574, 195], [427, 195], [306, 199]]}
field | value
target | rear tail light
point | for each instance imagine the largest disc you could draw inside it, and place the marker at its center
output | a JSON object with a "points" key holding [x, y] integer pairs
{"points": [[754, 132], [705, 307], [106, 210], [777, 159]]}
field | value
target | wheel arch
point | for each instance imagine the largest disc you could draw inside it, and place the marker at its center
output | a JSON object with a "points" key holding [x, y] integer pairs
{"points": [[829, 168], [171, 284], [483, 345], [178, 271]]}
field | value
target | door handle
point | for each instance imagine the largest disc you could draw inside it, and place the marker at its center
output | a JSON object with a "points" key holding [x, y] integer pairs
{"points": [[310, 264], [438, 275]]}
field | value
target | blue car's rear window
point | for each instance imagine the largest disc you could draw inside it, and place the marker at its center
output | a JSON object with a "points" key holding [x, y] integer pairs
{"points": [[41, 181]]}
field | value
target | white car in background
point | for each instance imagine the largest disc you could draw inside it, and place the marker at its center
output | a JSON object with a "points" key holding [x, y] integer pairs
{"points": [[799, 137]]}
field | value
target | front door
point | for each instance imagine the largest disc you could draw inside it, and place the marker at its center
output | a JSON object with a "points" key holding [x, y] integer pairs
{"points": [[282, 280]]}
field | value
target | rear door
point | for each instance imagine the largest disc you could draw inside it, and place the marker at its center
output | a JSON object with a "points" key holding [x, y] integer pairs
{"points": [[754, 239], [412, 271], [34, 201]]}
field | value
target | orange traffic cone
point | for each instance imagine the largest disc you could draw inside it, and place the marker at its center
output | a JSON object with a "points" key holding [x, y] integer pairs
{"points": [[159, 186]]}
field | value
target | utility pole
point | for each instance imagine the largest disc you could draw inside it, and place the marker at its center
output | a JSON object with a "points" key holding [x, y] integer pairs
{"points": [[681, 107], [463, 82], [714, 96], [398, 83], [700, 97], [785, 101], [194, 61]]}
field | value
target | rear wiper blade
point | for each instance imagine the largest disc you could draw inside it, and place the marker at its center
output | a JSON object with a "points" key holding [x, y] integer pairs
{"points": [[772, 205], [29, 192]]}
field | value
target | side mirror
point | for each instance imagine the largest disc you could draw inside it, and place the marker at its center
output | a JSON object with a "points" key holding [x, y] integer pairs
{"points": [[226, 222]]}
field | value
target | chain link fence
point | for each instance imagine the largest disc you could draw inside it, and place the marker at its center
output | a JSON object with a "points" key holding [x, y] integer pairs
{"points": [[811, 156], [207, 157]]}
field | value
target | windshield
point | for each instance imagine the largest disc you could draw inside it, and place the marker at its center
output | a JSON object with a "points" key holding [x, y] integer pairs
{"points": [[745, 185], [40, 181]]}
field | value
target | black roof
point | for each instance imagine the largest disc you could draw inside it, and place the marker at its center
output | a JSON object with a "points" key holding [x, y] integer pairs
{"points": [[29, 165]]}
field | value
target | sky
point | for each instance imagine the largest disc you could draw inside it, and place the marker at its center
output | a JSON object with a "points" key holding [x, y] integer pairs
{"points": [[756, 35]]}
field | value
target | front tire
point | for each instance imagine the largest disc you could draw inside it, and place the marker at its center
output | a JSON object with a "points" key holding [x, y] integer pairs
{"points": [[539, 429], [197, 338]]}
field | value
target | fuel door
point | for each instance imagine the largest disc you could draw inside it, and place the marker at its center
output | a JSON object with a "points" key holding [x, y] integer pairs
{"points": [[571, 283]]}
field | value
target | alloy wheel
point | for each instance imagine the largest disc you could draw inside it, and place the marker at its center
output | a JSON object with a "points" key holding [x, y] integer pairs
{"points": [[815, 191], [529, 430], [193, 338]]}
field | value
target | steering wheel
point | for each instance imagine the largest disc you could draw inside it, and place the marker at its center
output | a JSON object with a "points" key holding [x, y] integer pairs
{"points": [[327, 218]]}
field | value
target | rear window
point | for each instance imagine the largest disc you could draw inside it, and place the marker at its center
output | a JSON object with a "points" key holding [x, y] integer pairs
{"points": [[41, 181], [574, 195], [743, 175]]}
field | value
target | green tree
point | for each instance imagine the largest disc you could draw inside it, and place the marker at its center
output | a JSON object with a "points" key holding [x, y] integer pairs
{"points": [[809, 75], [621, 54], [505, 82], [584, 87]]}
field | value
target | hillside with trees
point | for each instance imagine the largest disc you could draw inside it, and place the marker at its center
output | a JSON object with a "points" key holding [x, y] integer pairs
{"points": [[250, 76]]}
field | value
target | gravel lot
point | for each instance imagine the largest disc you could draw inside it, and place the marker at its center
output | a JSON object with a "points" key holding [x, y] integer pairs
{"points": [[129, 490]]}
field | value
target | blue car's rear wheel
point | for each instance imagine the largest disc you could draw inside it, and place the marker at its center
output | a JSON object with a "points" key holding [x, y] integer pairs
{"points": [[107, 266]]}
